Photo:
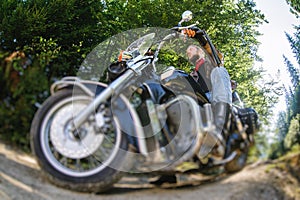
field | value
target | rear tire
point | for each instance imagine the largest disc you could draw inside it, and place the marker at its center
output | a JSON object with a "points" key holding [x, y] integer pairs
{"points": [[238, 163], [69, 168]]}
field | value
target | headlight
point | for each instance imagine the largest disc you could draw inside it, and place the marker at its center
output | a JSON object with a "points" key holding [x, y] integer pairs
{"points": [[116, 69]]}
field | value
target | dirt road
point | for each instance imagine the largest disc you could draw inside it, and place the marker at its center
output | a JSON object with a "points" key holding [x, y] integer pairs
{"points": [[20, 178]]}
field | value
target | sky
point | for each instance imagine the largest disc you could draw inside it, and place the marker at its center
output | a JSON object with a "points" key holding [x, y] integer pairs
{"points": [[274, 43]]}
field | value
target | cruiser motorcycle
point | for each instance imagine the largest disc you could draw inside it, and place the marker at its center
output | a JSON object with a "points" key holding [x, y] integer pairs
{"points": [[147, 117]]}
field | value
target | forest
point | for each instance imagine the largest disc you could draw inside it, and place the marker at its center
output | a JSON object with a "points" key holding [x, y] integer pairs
{"points": [[42, 41]]}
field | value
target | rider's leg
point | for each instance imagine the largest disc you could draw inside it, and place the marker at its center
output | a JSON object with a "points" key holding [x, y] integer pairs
{"points": [[221, 98]]}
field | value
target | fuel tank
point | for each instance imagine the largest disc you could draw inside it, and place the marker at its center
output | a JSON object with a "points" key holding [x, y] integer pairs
{"points": [[179, 82]]}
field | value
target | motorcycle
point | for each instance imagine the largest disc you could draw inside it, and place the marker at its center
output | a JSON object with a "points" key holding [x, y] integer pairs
{"points": [[147, 118]]}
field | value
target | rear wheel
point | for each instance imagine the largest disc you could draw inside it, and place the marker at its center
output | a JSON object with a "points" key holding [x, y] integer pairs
{"points": [[238, 163], [91, 158]]}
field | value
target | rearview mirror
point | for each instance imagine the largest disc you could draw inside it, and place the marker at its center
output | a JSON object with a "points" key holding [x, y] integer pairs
{"points": [[186, 16]]}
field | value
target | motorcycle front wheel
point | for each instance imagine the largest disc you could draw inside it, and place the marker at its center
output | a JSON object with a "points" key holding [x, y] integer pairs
{"points": [[89, 159]]}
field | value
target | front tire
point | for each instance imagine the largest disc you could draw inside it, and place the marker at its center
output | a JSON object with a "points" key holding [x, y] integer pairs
{"points": [[90, 160]]}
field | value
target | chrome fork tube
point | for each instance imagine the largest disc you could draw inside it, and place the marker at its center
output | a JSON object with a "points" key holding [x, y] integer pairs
{"points": [[101, 98], [134, 67]]}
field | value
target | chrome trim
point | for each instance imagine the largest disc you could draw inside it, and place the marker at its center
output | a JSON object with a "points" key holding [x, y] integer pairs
{"points": [[74, 81], [139, 131], [199, 131], [226, 160]]}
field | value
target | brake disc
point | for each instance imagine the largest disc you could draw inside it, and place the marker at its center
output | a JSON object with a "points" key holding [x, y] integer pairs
{"points": [[83, 143]]}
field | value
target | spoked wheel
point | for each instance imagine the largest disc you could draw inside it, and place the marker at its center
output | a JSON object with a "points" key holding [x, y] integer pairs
{"points": [[88, 159]]}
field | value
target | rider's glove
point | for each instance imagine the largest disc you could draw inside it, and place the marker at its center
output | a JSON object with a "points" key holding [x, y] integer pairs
{"points": [[192, 33], [189, 32]]}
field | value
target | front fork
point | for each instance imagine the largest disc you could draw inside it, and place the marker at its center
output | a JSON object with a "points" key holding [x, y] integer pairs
{"points": [[134, 68], [101, 98]]}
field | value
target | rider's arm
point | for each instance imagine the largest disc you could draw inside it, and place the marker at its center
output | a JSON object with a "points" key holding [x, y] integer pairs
{"points": [[203, 42]]}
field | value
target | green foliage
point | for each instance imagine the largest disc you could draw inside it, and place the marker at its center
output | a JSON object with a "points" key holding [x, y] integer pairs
{"points": [[288, 121], [25, 86], [293, 135], [277, 147], [295, 6], [293, 95], [260, 149], [294, 74]]}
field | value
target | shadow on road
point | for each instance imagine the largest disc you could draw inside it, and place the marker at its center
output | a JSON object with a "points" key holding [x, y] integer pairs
{"points": [[17, 179]]}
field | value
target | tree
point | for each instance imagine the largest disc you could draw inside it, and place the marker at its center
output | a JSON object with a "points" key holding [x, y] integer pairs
{"points": [[295, 7], [293, 135], [293, 96], [294, 73], [288, 126], [20, 94], [40, 40]]}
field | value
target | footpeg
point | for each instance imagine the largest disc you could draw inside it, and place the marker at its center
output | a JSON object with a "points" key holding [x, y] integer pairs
{"points": [[226, 160]]}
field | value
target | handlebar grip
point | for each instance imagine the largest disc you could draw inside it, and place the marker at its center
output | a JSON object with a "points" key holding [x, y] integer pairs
{"points": [[200, 31], [198, 36], [175, 28]]}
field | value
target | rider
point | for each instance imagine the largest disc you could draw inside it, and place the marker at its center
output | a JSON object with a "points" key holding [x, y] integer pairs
{"points": [[217, 82]]}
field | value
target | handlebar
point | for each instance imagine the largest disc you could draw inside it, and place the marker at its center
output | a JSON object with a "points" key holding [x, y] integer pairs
{"points": [[173, 35], [207, 38], [198, 31], [179, 28]]}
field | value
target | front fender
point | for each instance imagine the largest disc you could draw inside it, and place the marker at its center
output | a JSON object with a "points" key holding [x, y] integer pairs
{"points": [[88, 87]]}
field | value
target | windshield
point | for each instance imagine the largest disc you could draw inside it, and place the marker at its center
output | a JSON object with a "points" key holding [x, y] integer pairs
{"points": [[142, 45], [137, 42]]}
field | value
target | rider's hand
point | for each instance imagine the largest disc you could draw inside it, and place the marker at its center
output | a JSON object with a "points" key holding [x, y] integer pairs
{"points": [[189, 32]]}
